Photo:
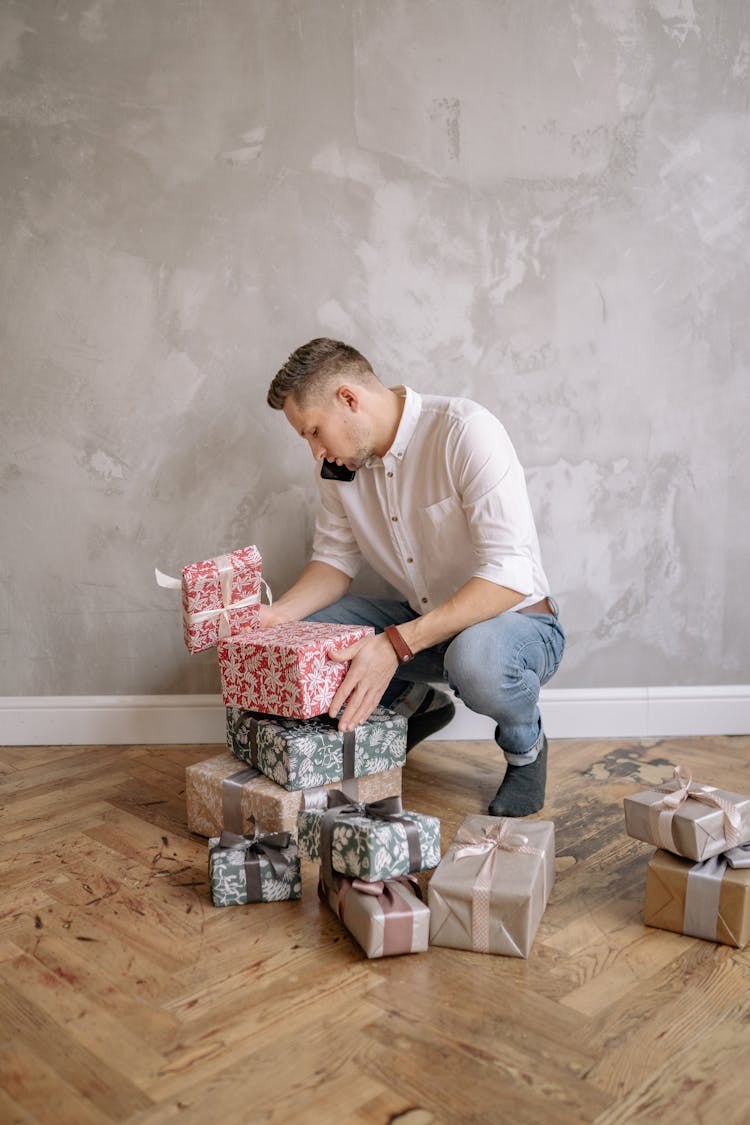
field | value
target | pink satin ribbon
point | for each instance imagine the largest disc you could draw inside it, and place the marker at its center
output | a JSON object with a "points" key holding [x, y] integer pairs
{"points": [[492, 840], [397, 913], [661, 813]]}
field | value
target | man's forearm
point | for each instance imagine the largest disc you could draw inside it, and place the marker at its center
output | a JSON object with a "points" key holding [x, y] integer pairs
{"points": [[477, 600], [317, 586]]}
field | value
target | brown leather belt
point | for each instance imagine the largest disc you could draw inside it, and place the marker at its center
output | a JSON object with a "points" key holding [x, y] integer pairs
{"points": [[544, 606]]}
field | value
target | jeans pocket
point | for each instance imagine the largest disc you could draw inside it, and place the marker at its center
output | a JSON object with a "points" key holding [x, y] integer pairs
{"points": [[554, 643]]}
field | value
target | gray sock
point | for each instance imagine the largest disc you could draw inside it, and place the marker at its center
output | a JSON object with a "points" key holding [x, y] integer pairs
{"points": [[522, 789]]}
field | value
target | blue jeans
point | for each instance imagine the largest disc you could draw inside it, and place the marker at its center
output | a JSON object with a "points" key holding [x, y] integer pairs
{"points": [[496, 667]]}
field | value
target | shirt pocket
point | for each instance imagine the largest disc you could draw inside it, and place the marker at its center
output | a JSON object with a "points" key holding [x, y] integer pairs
{"points": [[442, 526]]}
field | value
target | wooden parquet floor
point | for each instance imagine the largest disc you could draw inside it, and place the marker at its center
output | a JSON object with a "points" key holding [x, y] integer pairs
{"points": [[125, 996]]}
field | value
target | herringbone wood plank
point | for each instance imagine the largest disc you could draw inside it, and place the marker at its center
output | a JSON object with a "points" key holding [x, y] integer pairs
{"points": [[125, 996]]}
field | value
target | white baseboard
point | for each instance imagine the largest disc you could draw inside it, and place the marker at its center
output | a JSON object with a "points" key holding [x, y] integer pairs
{"points": [[192, 719]]}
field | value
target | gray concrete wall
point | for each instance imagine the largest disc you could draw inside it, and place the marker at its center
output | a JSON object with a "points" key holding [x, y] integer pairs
{"points": [[544, 206]]}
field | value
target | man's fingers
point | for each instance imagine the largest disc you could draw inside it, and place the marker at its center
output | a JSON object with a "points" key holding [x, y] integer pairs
{"points": [[370, 670], [345, 689], [358, 710], [358, 704], [341, 655]]}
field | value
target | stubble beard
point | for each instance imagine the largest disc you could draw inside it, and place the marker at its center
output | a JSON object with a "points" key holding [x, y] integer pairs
{"points": [[363, 450]]}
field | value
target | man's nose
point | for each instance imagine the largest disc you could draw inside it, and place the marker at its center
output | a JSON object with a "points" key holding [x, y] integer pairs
{"points": [[318, 449]]}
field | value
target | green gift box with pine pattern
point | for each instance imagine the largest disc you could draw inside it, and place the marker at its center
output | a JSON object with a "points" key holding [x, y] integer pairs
{"points": [[306, 753], [261, 868], [381, 840]]}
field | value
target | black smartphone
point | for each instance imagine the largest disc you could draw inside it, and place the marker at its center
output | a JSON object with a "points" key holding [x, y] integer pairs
{"points": [[329, 470]]}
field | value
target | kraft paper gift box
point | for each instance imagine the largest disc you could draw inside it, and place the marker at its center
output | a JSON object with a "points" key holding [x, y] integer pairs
{"points": [[370, 841], [222, 793], [285, 670], [220, 597], [302, 753], [491, 888], [709, 900], [691, 820], [262, 868], [384, 918]]}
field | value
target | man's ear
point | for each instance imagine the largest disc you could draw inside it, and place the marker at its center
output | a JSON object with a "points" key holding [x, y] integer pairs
{"points": [[348, 396]]}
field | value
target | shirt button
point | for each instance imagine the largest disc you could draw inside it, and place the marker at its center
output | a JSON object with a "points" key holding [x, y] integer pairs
{"points": [[425, 601], [395, 519], [410, 559], [389, 473]]}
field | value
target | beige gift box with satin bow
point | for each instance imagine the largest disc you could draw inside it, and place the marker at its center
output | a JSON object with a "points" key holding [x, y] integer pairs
{"points": [[709, 900], [223, 793], [491, 888], [385, 918], [686, 818]]}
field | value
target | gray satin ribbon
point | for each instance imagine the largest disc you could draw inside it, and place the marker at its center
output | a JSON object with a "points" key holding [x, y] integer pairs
{"points": [[348, 745], [388, 809], [317, 798], [738, 857], [270, 846], [702, 895], [251, 754], [231, 798], [350, 742]]}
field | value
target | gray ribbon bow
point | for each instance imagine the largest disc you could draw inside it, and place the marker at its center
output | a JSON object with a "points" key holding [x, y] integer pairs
{"points": [[388, 809], [255, 846]]}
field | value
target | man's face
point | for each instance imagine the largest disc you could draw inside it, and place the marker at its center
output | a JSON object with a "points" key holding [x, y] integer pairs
{"points": [[334, 429]]}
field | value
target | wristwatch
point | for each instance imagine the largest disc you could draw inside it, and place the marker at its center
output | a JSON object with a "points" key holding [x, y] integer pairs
{"points": [[400, 647]]}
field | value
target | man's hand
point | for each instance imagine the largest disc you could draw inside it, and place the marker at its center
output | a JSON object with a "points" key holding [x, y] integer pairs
{"points": [[373, 663], [319, 585], [270, 615]]}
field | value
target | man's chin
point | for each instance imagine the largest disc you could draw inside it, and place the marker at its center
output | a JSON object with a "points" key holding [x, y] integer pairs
{"points": [[359, 461]]}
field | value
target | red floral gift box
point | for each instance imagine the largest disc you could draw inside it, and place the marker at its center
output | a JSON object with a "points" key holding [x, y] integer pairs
{"points": [[285, 670], [220, 597]]}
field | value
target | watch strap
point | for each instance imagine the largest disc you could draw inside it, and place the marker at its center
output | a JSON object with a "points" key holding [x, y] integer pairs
{"points": [[399, 645]]}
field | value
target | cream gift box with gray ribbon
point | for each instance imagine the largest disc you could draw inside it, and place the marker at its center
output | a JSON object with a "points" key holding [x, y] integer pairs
{"points": [[223, 793]]}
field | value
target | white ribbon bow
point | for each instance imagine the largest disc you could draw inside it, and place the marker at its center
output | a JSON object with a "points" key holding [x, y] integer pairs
{"points": [[225, 578]]}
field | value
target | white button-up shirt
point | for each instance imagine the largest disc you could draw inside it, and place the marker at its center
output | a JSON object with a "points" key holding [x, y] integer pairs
{"points": [[446, 503]]}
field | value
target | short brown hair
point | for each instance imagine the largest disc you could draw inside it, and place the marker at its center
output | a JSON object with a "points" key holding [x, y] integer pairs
{"points": [[313, 365]]}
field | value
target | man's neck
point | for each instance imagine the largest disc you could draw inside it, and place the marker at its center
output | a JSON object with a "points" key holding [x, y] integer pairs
{"points": [[391, 407]]}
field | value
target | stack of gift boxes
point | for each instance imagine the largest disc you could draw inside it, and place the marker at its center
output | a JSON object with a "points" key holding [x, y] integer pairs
{"points": [[698, 880], [291, 787]]}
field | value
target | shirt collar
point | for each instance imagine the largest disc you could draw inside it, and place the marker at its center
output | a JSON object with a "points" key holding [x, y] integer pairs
{"points": [[406, 427]]}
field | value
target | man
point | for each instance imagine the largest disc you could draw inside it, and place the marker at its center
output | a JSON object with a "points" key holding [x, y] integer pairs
{"points": [[438, 507]]}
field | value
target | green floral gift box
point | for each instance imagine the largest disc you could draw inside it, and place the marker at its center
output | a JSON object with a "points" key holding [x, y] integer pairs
{"points": [[305, 753], [262, 868], [381, 840]]}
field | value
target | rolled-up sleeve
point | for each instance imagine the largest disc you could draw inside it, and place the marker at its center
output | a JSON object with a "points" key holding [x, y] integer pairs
{"points": [[334, 542], [494, 497]]}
